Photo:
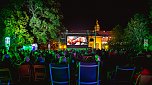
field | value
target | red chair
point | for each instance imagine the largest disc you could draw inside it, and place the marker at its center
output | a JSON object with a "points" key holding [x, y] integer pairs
{"points": [[25, 72]]}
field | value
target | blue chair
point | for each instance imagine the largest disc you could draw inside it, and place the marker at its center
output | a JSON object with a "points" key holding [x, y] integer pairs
{"points": [[123, 76], [88, 73], [60, 74]]}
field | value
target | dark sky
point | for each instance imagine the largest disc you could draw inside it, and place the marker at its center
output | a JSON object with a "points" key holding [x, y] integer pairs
{"points": [[82, 14]]}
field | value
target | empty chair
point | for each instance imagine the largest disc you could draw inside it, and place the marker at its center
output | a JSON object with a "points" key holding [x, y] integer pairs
{"points": [[59, 74], [123, 76], [25, 72], [5, 76], [88, 73], [39, 72]]}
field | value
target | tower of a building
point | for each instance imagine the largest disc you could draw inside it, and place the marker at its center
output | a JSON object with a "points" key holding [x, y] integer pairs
{"points": [[97, 26]]}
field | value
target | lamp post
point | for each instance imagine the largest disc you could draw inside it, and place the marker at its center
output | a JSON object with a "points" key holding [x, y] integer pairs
{"points": [[88, 38], [95, 40]]}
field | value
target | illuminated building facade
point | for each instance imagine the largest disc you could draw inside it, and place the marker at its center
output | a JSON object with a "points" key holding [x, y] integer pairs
{"points": [[100, 38], [97, 38]]}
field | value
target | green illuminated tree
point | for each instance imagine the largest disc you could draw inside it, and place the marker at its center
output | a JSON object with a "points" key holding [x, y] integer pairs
{"points": [[136, 31], [16, 28], [1, 32], [150, 43], [45, 19], [16, 20], [23, 19], [150, 25]]}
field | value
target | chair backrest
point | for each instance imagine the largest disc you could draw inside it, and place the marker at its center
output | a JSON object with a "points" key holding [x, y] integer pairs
{"points": [[60, 74], [24, 69], [123, 74], [88, 73], [25, 72], [39, 72], [145, 80], [5, 75]]}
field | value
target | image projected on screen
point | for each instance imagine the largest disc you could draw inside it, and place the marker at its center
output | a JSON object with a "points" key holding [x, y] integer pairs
{"points": [[76, 40]]}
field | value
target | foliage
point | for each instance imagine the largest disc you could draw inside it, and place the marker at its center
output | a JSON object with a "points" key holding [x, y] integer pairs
{"points": [[136, 31], [16, 28], [150, 43], [117, 37], [27, 20], [117, 34], [45, 21], [1, 32], [150, 25], [4, 13], [15, 21]]}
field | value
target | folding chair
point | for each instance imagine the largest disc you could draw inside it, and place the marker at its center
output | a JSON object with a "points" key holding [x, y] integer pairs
{"points": [[39, 72], [123, 76], [59, 74], [5, 76], [88, 73], [25, 72]]}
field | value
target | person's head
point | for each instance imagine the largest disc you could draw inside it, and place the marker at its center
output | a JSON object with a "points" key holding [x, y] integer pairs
{"points": [[149, 55]]}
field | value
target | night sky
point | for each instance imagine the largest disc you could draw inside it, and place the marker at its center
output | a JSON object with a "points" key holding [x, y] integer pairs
{"points": [[82, 14]]}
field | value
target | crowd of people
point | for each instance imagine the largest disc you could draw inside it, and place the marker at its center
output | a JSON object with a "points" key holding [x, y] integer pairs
{"points": [[109, 59]]}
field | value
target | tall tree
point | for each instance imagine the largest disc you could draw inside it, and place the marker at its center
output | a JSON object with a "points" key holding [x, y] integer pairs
{"points": [[150, 25], [45, 19], [117, 34], [150, 43], [136, 31], [16, 20], [16, 28], [117, 37]]}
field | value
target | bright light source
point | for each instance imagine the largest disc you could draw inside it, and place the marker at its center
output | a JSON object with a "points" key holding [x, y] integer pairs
{"points": [[7, 42], [106, 47]]}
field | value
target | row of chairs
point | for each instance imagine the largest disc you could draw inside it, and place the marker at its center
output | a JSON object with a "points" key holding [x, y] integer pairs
{"points": [[88, 74], [26, 72], [35, 72]]}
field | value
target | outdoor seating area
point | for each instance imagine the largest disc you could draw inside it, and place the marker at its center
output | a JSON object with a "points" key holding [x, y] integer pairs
{"points": [[76, 42], [71, 67]]}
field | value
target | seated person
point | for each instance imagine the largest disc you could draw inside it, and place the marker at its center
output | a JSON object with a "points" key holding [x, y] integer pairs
{"points": [[62, 59]]}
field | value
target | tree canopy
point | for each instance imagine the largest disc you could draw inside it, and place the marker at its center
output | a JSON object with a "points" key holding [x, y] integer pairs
{"points": [[45, 21], [27, 20], [117, 37], [16, 20], [136, 31], [16, 29]]}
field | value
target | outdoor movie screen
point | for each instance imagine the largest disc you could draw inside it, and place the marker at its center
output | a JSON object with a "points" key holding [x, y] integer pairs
{"points": [[77, 40]]}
